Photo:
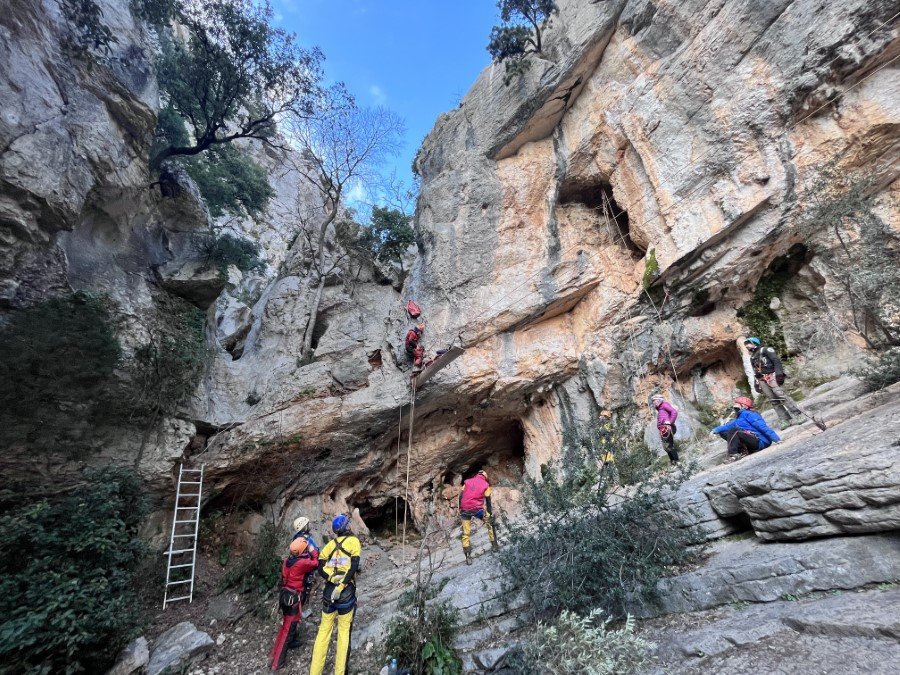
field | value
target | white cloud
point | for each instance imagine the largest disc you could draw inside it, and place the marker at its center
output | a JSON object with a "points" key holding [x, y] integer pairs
{"points": [[378, 94]]}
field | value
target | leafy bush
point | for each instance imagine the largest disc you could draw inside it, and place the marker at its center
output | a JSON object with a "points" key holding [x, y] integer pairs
{"points": [[881, 370], [519, 34], [66, 572], [258, 571], [230, 181], [89, 33], [57, 373], [583, 542], [422, 637], [581, 646], [223, 249], [166, 370], [757, 315]]}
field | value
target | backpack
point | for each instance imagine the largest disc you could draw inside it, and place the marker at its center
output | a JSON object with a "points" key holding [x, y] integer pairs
{"points": [[413, 309]]}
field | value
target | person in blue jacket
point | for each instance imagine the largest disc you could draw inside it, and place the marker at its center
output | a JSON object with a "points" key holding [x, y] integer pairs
{"points": [[748, 432]]}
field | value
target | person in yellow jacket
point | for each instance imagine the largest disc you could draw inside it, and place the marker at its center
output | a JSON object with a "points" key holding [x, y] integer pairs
{"points": [[338, 564]]}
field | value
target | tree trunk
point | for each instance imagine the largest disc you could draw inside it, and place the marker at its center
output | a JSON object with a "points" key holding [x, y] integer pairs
{"points": [[313, 316]]}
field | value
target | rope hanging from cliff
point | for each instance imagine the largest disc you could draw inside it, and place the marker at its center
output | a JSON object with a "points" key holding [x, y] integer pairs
{"points": [[412, 416]]}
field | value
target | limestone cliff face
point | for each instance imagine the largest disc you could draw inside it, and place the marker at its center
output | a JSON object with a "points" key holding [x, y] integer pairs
{"points": [[588, 234]]}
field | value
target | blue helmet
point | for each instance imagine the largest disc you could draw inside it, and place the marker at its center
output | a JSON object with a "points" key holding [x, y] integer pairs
{"points": [[754, 340], [340, 524]]}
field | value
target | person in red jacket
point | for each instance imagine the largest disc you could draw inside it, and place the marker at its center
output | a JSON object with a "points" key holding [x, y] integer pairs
{"points": [[415, 351], [302, 560], [475, 502]]}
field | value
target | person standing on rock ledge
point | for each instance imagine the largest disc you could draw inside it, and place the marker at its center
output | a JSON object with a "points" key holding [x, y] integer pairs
{"points": [[747, 433], [769, 375], [666, 414], [475, 502], [338, 564]]}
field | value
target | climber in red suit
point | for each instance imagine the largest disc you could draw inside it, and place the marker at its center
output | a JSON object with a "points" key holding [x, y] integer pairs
{"points": [[302, 560]]}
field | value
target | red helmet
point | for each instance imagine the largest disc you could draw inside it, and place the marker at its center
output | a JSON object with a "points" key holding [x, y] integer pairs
{"points": [[744, 402]]}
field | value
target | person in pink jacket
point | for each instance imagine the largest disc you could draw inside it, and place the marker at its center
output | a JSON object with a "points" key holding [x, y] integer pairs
{"points": [[475, 502], [666, 414]]}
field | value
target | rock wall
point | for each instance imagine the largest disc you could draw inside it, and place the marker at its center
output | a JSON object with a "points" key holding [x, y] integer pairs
{"points": [[587, 234]]}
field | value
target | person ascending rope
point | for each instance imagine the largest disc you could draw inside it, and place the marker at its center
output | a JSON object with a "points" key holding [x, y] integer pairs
{"points": [[414, 351], [747, 432], [769, 375], [338, 564], [294, 570], [301, 530], [475, 502], [666, 414]]}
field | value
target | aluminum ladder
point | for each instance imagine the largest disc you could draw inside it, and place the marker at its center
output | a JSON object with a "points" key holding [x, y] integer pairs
{"points": [[183, 542]]}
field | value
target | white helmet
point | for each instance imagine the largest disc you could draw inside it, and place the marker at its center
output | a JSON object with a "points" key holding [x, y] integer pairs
{"points": [[301, 524], [657, 397]]}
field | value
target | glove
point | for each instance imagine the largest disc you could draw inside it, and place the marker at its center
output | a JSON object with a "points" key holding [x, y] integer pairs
{"points": [[757, 387], [780, 378], [336, 593]]}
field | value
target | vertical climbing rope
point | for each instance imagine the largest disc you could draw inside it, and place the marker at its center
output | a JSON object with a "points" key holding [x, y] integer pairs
{"points": [[412, 415], [397, 497]]}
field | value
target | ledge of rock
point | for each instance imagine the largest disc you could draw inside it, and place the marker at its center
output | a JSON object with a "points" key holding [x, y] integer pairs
{"points": [[843, 481], [196, 281]]}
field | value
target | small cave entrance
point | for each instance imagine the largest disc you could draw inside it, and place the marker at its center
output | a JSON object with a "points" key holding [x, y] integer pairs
{"points": [[598, 196], [385, 519], [319, 330], [500, 453]]}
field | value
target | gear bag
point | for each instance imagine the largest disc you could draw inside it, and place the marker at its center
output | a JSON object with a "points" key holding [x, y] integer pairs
{"points": [[413, 309]]}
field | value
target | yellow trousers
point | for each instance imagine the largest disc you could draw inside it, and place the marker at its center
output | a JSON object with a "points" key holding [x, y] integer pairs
{"points": [[323, 641], [467, 527]]}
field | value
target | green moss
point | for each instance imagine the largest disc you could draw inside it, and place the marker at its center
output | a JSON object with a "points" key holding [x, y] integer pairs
{"points": [[57, 373], [651, 269], [758, 316]]}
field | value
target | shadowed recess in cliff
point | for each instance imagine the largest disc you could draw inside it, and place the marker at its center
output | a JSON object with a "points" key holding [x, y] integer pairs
{"points": [[385, 519], [605, 213], [500, 451]]}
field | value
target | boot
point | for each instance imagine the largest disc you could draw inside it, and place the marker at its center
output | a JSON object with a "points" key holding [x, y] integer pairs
{"points": [[468, 552], [819, 423], [293, 638]]}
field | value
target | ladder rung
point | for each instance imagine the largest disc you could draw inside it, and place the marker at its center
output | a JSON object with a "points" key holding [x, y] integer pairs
{"points": [[190, 482], [179, 522], [185, 494], [192, 471], [175, 583], [181, 550], [190, 564], [183, 536], [186, 508], [183, 597]]}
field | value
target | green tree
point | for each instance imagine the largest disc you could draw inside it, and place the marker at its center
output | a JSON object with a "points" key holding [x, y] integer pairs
{"points": [[67, 600], [231, 74], [340, 148], [392, 234], [520, 33], [230, 181]]}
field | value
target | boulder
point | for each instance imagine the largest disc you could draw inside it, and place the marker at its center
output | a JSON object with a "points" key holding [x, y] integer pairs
{"points": [[134, 656], [197, 281], [178, 646]]}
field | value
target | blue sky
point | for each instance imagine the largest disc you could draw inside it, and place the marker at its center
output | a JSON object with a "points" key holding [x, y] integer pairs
{"points": [[417, 57]]}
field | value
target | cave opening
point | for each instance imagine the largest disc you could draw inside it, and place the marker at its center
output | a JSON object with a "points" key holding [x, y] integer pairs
{"points": [[319, 330], [598, 196], [500, 453], [386, 519]]}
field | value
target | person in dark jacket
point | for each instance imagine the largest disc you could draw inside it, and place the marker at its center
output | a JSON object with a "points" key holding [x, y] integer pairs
{"points": [[747, 432], [666, 414], [301, 561], [769, 375]]}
